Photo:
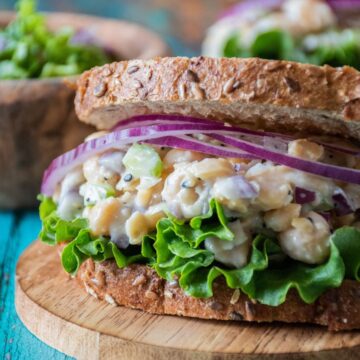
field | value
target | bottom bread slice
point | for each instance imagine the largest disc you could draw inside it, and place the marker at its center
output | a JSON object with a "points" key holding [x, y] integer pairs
{"points": [[138, 286]]}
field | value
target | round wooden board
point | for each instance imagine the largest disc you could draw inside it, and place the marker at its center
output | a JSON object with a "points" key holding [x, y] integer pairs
{"points": [[61, 314]]}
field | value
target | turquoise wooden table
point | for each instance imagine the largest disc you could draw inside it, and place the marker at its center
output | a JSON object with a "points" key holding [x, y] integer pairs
{"points": [[17, 231]]}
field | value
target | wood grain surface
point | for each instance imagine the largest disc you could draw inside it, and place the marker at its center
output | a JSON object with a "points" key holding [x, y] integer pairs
{"points": [[58, 312], [18, 229]]}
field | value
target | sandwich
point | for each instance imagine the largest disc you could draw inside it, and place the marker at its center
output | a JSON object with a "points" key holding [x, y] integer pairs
{"points": [[223, 189], [308, 31]]}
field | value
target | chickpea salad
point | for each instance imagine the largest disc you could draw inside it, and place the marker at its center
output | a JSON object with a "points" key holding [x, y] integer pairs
{"points": [[307, 31], [194, 216]]}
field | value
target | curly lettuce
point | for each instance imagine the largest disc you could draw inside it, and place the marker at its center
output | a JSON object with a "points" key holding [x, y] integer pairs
{"points": [[80, 244], [176, 250]]}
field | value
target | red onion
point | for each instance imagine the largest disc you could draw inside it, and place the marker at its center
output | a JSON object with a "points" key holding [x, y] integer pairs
{"points": [[117, 139], [171, 130], [238, 10], [303, 196], [189, 143], [241, 188], [326, 215], [247, 5], [341, 203], [344, 4], [153, 119], [156, 119], [326, 170]]}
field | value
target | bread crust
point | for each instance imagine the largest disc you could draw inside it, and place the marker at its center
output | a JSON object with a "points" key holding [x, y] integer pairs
{"points": [[138, 286], [277, 95]]}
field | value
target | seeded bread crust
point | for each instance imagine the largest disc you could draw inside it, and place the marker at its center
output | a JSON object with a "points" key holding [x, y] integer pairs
{"points": [[139, 287], [276, 95]]}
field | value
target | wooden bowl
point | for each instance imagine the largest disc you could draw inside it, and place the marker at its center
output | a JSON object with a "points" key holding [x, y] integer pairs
{"points": [[37, 118]]}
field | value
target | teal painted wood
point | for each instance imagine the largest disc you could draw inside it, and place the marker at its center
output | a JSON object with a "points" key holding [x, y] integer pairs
{"points": [[17, 231]]}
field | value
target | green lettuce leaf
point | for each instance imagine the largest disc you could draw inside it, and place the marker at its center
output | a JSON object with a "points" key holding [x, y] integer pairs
{"points": [[176, 250], [81, 245], [267, 277], [54, 229], [84, 246], [347, 240]]}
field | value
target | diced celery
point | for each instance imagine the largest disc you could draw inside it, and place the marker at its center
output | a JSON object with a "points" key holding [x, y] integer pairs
{"points": [[142, 160]]}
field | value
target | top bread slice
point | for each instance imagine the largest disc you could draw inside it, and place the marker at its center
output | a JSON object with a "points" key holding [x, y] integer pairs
{"points": [[275, 95]]}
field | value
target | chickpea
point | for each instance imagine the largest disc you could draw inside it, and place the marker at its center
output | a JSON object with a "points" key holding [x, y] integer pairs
{"points": [[228, 191], [232, 253], [176, 156], [211, 168], [305, 149], [307, 239], [185, 195], [280, 219], [275, 190], [102, 215], [136, 228], [309, 15], [98, 174]]}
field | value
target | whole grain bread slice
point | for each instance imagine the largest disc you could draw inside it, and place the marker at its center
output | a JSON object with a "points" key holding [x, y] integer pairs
{"points": [[138, 286], [276, 95]]}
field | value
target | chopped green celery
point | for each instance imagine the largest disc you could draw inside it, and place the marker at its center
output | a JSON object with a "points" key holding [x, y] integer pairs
{"points": [[93, 193], [142, 160]]}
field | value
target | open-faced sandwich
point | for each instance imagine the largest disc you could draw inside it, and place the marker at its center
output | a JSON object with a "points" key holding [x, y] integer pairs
{"points": [[217, 188]]}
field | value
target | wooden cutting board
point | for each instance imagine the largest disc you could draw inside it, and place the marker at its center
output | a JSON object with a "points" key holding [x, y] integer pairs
{"points": [[62, 315]]}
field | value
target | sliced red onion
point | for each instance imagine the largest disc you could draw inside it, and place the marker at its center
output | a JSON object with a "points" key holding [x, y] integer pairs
{"points": [[247, 5], [326, 215], [240, 9], [241, 188], [189, 143], [161, 119], [344, 4], [155, 119], [326, 170], [341, 203], [303, 196], [173, 133], [117, 139]]}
